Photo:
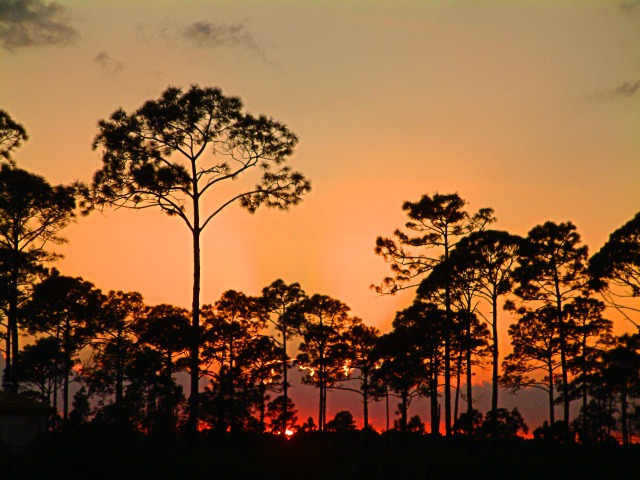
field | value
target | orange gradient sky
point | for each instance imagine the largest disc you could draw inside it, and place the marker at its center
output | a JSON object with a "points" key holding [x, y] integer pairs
{"points": [[528, 107]]}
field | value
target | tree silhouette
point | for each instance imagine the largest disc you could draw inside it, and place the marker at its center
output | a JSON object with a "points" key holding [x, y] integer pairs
{"points": [[460, 277], [615, 268], [66, 308], [622, 374], [551, 272], [361, 343], [342, 422], [41, 368], [171, 153], [590, 335], [231, 324], [492, 256], [166, 329], [260, 362], [282, 306], [412, 356], [120, 311], [436, 224], [12, 134], [323, 353], [536, 348], [32, 214]]}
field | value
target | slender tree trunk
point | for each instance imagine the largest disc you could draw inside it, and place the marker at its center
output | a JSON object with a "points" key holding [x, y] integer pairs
{"points": [[119, 369], [552, 416], [623, 414], [469, 377], [435, 414], [447, 364], [67, 369], [365, 399], [12, 337], [458, 379], [563, 353], [194, 359], [285, 382], [403, 410], [386, 394], [494, 356]]}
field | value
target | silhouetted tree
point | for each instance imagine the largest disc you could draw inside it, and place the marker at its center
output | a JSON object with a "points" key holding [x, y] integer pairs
{"points": [[436, 224], [112, 349], [282, 306], [503, 424], [551, 272], [166, 329], [459, 277], [622, 374], [536, 348], [421, 337], [260, 362], [361, 343], [342, 422], [12, 134], [615, 268], [66, 308], [32, 214], [231, 324], [590, 334], [323, 353], [492, 255], [156, 157], [283, 419], [41, 368]]}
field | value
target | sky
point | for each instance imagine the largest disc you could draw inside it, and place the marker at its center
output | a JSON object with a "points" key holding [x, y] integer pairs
{"points": [[528, 107]]}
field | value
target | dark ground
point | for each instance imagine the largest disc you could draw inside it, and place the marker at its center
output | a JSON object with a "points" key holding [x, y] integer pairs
{"points": [[311, 456]]}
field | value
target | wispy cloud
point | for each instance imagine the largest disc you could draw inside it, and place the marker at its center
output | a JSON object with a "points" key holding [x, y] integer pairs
{"points": [[108, 63], [30, 23], [628, 89], [215, 35], [630, 6]]}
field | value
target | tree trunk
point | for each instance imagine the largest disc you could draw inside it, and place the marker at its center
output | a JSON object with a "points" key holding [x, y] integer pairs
{"points": [[469, 377], [285, 384], [552, 416], [386, 394], [494, 357], [435, 414], [194, 360], [447, 364], [365, 399]]}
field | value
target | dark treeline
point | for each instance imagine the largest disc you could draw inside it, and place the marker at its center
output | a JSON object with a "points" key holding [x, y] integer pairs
{"points": [[122, 356]]}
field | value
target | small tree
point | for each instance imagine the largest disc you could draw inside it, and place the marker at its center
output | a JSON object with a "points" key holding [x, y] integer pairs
{"points": [[173, 152], [342, 422]]}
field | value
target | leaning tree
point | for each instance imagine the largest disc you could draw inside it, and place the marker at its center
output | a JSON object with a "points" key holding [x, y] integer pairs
{"points": [[175, 152]]}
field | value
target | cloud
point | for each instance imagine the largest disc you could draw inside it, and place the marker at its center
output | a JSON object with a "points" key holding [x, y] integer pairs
{"points": [[30, 23], [628, 89], [630, 6], [107, 62], [214, 35]]}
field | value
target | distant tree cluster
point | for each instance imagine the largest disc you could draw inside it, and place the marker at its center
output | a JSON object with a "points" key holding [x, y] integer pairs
{"points": [[124, 356]]}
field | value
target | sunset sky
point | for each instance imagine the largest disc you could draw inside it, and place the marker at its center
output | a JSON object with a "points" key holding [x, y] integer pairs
{"points": [[529, 107]]}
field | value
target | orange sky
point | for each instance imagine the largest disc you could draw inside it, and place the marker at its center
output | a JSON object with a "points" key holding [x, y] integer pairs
{"points": [[529, 107]]}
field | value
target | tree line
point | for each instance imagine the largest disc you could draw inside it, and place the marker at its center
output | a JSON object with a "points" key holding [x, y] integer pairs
{"points": [[126, 354]]}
